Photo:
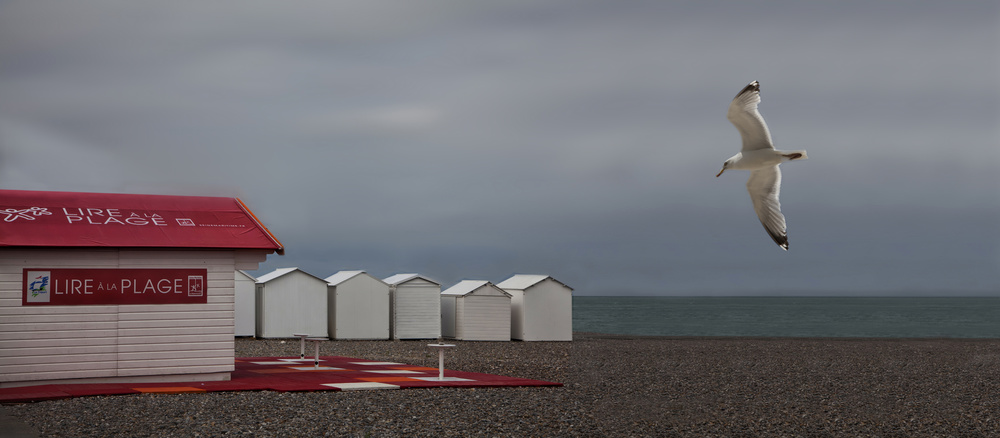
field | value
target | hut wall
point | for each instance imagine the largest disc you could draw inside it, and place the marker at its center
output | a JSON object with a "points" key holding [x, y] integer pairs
{"points": [[547, 313], [359, 309], [448, 317], [482, 318], [94, 342], [292, 303], [416, 310], [245, 305]]}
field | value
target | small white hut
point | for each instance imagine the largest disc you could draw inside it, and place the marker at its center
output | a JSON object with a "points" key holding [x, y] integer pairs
{"points": [[475, 310], [541, 308], [245, 305], [290, 300], [415, 307], [358, 306]]}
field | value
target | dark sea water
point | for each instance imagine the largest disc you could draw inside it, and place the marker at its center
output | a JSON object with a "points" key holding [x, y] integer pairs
{"points": [[897, 317]]}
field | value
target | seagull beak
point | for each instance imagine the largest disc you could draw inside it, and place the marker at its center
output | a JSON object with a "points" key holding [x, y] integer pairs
{"points": [[720, 172]]}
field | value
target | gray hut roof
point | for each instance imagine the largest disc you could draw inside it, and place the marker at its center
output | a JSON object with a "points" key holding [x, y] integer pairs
{"points": [[524, 281], [403, 278], [341, 277], [281, 272], [466, 287]]}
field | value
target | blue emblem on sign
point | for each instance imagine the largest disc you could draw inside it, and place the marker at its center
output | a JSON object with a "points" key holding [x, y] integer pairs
{"points": [[38, 286]]}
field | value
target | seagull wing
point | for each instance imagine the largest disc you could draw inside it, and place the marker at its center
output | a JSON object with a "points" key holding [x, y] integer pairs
{"points": [[764, 186], [744, 115]]}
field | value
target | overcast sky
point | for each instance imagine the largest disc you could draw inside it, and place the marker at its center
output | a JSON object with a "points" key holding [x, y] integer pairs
{"points": [[579, 139]]}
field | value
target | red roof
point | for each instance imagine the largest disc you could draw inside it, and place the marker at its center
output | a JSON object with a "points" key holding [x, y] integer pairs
{"points": [[68, 219]]}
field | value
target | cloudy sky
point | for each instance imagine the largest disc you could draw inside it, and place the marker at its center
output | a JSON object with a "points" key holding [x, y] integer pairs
{"points": [[579, 139]]}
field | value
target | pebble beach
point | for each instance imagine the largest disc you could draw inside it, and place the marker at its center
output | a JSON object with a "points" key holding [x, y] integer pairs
{"points": [[613, 386]]}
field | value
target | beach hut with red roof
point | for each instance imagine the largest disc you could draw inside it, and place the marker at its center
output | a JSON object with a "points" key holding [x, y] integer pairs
{"points": [[98, 287]]}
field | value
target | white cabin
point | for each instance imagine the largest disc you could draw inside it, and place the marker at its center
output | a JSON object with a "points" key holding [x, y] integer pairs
{"points": [[358, 306], [289, 301], [475, 310], [415, 307], [98, 288], [541, 308], [246, 304]]}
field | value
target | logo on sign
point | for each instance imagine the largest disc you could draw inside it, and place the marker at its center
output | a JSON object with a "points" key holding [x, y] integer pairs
{"points": [[38, 286], [13, 214], [196, 285]]}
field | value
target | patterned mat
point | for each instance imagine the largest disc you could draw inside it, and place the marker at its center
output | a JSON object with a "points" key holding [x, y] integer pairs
{"points": [[333, 373]]}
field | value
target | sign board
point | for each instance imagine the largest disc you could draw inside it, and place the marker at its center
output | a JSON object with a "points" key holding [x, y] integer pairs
{"points": [[66, 219], [74, 287]]}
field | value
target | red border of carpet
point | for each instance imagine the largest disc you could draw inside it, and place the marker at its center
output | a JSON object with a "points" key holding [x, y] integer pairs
{"points": [[251, 376]]}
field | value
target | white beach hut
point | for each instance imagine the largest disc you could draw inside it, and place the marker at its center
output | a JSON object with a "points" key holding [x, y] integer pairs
{"points": [[289, 301], [475, 310], [414, 307], [246, 304], [358, 306], [541, 308], [102, 287]]}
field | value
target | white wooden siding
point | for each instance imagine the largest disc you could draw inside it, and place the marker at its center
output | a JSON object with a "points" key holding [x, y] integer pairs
{"points": [[482, 318], [292, 303], [68, 342], [416, 310], [249, 260], [244, 305], [359, 308], [546, 313]]}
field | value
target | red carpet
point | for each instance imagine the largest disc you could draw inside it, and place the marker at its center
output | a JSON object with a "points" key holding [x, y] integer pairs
{"points": [[335, 373]]}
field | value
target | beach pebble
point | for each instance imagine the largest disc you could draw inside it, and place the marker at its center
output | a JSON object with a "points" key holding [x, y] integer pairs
{"points": [[613, 386]]}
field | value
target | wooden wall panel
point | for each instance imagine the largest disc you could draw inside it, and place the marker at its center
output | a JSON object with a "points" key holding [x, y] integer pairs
{"points": [[72, 342]]}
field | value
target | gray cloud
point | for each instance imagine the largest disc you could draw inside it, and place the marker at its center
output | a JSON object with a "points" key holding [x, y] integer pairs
{"points": [[573, 138]]}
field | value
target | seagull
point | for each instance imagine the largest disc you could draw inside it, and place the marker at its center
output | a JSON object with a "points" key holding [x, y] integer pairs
{"points": [[761, 159]]}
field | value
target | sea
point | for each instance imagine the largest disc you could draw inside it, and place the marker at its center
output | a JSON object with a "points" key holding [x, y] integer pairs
{"points": [[880, 317]]}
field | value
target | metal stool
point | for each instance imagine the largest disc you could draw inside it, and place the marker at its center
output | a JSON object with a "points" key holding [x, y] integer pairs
{"points": [[441, 347]]}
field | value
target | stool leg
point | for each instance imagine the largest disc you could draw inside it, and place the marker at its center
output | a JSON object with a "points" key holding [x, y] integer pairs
{"points": [[316, 361], [302, 347], [440, 364]]}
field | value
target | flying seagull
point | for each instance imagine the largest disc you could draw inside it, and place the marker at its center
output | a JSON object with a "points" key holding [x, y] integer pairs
{"points": [[761, 159]]}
